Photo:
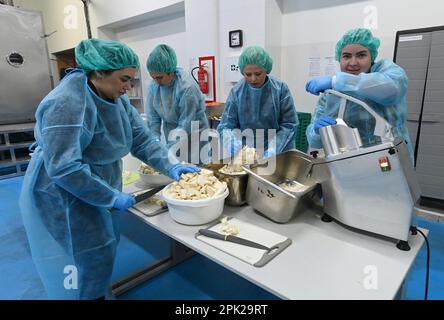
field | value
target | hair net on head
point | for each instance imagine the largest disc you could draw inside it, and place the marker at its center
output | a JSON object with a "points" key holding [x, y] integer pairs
{"points": [[162, 59], [255, 55], [361, 36], [97, 54]]}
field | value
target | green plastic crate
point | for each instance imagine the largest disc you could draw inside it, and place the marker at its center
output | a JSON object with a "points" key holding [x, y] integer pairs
{"points": [[301, 137]]}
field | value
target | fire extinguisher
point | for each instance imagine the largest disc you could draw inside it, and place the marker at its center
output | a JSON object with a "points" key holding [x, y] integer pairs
{"points": [[202, 79]]}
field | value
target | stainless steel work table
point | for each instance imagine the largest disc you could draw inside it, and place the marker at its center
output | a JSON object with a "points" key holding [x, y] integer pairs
{"points": [[324, 261]]}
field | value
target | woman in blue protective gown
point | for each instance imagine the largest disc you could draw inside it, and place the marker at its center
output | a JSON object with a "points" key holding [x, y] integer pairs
{"points": [[175, 101], [83, 129], [259, 102], [382, 85]]}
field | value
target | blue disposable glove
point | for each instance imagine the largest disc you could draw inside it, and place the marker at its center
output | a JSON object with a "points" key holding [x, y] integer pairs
{"points": [[323, 121], [319, 84], [124, 201], [235, 147], [176, 171]]}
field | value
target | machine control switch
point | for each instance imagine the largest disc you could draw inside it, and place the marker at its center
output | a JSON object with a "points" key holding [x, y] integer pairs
{"points": [[384, 164]]}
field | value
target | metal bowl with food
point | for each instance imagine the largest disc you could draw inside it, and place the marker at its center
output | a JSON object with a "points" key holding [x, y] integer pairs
{"points": [[232, 173], [236, 182], [282, 195]]}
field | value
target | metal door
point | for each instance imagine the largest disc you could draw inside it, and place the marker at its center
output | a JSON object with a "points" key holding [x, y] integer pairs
{"points": [[24, 64]]}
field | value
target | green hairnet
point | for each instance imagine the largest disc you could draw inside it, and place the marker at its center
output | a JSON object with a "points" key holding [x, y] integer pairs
{"points": [[162, 59], [256, 55], [97, 54], [361, 36]]}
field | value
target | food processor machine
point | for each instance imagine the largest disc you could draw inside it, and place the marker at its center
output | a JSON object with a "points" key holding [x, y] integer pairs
{"points": [[371, 188]]}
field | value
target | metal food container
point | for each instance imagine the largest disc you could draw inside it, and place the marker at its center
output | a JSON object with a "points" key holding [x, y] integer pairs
{"points": [[214, 109], [266, 196], [236, 182], [214, 113], [339, 138]]}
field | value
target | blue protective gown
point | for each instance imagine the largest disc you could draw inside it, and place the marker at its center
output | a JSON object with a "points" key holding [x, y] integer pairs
{"points": [[176, 106], [72, 181], [268, 107], [384, 89]]}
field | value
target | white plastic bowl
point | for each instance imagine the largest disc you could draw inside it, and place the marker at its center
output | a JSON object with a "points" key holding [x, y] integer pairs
{"points": [[154, 180], [195, 212]]}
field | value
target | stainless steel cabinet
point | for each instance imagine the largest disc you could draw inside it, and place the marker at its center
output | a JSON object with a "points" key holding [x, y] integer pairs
{"points": [[15, 140], [421, 54], [24, 64]]}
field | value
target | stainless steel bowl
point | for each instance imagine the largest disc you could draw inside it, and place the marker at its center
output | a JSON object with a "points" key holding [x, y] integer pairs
{"points": [[266, 196], [237, 184]]}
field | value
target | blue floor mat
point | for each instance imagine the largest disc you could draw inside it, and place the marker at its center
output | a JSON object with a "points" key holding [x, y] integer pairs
{"points": [[20, 279], [416, 280]]}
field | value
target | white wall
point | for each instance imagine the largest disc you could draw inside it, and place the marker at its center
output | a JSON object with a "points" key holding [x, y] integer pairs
{"points": [[247, 15], [57, 14], [210, 21], [66, 17], [144, 37], [311, 28], [273, 33], [202, 33], [202, 25], [111, 11]]}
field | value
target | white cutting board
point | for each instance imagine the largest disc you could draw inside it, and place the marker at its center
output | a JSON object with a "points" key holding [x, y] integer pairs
{"points": [[253, 256], [148, 209]]}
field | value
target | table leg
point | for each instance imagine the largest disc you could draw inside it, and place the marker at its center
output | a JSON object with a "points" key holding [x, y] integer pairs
{"points": [[179, 253]]}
